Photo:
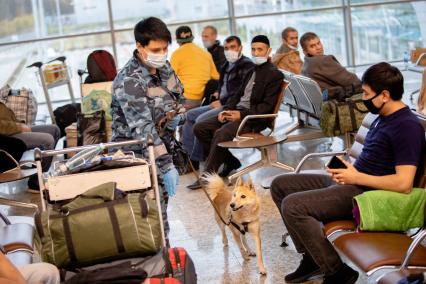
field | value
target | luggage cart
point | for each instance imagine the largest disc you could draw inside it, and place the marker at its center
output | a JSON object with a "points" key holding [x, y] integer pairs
{"points": [[52, 78], [59, 188]]}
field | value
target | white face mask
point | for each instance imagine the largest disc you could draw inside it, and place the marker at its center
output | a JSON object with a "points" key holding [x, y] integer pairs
{"points": [[208, 44], [156, 60], [232, 56], [259, 60]]}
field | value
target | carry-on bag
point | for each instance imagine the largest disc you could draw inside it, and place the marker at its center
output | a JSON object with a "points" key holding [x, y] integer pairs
{"points": [[170, 264], [99, 225]]}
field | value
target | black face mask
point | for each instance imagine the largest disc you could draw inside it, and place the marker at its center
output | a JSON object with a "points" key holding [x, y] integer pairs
{"points": [[370, 105]]}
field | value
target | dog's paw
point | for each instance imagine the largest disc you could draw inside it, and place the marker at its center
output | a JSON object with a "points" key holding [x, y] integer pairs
{"points": [[262, 272], [251, 253], [245, 255]]}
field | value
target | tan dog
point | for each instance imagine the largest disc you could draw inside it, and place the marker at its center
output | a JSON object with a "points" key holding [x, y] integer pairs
{"points": [[240, 209]]}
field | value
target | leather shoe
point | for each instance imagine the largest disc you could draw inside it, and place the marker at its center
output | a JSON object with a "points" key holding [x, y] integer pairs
{"points": [[229, 167], [307, 268], [345, 275]]}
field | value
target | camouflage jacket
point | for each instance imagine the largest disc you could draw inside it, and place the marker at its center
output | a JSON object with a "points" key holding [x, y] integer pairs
{"points": [[140, 103]]}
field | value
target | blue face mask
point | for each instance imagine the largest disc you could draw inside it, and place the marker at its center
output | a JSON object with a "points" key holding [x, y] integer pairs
{"points": [[259, 60]]}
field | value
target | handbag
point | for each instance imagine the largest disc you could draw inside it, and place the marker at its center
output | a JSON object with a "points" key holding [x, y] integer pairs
{"points": [[100, 225], [91, 128], [22, 102], [338, 118]]}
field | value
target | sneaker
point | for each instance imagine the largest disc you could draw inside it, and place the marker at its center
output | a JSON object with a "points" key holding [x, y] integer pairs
{"points": [[345, 275], [307, 269]]}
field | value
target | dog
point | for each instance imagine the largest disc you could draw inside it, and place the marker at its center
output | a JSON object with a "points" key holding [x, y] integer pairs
{"points": [[240, 209]]}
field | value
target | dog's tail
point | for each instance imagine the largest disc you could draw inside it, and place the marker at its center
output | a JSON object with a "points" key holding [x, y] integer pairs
{"points": [[215, 185]]}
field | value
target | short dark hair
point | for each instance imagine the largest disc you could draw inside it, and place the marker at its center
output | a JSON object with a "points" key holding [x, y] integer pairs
{"points": [[286, 31], [232, 38], [383, 76], [151, 29], [307, 37]]}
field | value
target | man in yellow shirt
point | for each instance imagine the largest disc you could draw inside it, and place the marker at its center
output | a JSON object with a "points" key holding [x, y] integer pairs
{"points": [[194, 67]]}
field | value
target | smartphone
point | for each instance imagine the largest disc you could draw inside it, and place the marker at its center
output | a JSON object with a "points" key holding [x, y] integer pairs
{"points": [[336, 163]]}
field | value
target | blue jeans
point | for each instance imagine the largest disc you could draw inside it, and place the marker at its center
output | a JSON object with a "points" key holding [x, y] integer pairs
{"points": [[190, 142]]}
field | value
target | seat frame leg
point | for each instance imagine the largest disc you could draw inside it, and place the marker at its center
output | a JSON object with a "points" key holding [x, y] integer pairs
{"points": [[269, 158]]}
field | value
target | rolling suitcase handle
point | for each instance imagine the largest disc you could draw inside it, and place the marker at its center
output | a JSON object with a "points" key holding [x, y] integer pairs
{"points": [[150, 144]]}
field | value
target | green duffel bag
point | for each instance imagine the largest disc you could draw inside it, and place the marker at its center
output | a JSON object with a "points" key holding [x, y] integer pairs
{"points": [[99, 225], [338, 118]]}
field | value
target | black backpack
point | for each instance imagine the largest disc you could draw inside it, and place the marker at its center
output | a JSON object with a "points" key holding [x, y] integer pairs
{"points": [[66, 115], [15, 147], [101, 67]]}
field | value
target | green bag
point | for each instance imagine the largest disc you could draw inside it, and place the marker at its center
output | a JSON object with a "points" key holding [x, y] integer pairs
{"points": [[338, 118], [98, 226]]}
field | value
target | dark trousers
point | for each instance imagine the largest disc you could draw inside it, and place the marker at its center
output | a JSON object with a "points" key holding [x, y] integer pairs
{"points": [[210, 132], [306, 200]]}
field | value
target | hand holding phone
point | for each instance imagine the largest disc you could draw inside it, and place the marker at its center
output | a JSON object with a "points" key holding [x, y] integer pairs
{"points": [[336, 163]]}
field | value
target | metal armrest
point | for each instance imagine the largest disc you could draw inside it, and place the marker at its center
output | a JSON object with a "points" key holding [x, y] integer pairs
{"points": [[420, 58], [253, 116], [11, 202], [318, 155], [416, 241]]}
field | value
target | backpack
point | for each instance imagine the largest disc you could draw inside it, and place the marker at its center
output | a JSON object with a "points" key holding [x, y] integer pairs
{"points": [[101, 67], [66, 115], [22, 102]]}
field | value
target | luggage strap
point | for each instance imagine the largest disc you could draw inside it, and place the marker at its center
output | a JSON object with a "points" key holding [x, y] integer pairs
{"points": [[230, 222]]}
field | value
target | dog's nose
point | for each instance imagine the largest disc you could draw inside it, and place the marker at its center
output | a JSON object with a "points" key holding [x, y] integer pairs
{"points": [[232, 205]]}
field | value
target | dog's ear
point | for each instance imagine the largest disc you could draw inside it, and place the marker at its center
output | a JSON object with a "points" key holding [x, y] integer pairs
{"points": [[250, 184], [239, 182]]}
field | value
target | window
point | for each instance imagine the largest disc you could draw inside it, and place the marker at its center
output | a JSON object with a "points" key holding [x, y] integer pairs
{"points": [[385, 32], [127, 13], [327, 24], [248, 7]]}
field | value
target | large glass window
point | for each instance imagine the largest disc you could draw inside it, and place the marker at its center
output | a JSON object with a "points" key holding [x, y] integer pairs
{"points": [[26, 20], [385, 32], [128, 12], [250, 7], [126, 40], [327, 24]]}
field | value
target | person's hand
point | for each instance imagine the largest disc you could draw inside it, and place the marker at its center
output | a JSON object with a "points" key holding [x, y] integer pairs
{"points": [[221, 117], [177, 120], [233, 115], [215, 104], [350, 175], [25, 128], [171, 179]]}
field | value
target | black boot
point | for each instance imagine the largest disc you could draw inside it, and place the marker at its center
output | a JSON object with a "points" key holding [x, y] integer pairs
{"points": [[229, 166], [345, 275], [307, 268]]}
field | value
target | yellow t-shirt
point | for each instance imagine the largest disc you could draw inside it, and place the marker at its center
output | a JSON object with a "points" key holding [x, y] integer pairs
{"points": [[194, 67]]}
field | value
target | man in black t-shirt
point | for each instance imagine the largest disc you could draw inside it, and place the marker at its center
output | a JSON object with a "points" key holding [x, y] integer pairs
{"points": [[392, 151]]}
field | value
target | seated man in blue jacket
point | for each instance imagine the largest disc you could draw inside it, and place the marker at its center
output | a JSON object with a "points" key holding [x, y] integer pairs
{"points": [[393, 149], [236, 67], [257, 95]]}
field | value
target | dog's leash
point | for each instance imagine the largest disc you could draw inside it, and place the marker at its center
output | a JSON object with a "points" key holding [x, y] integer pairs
{"points": [[245, 224]]}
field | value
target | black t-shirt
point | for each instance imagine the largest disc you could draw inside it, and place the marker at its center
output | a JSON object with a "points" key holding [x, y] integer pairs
{"points": [[393, 140]]}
